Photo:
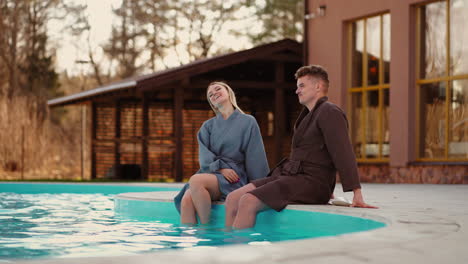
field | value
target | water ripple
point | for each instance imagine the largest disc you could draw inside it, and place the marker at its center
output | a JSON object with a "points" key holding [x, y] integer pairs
{"points": [[76, 225]]}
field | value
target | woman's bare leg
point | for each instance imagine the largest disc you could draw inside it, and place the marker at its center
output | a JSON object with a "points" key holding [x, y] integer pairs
{"points": [[232, 202], [204, 188], [249, 206], [187, 209]]}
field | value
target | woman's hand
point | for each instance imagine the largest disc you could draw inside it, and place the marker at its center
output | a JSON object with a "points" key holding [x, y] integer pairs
{"points": [[230, 175]]}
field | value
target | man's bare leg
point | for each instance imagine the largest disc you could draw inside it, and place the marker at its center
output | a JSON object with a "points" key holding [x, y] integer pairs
{"points": [[249, 206], [204, 188], [232, 202], [187, 209]]}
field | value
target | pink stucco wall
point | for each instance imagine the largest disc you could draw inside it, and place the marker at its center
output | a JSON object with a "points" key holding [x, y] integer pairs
{"points": [[327, 44]]}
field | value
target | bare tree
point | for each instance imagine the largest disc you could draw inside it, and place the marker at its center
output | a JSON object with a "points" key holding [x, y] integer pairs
{"points": [[81, 27], [9, 23], [26, 52], [204, 20], [125, 45], [148, 31], [163, 23], [153, 18], [280, 19]]}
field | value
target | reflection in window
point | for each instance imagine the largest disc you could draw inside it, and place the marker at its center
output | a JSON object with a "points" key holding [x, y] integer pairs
{"points": [[356, 122], [385, 122], [373, 50], [386, 48], [357, 53], [458, 132], [271, 124], [458, 37], [434, 34], [443, 82], [432, 112], [369, 77], [372, 116]]}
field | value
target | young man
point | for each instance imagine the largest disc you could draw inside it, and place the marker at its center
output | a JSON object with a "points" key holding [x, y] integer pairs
{"points": [[320, 147]]}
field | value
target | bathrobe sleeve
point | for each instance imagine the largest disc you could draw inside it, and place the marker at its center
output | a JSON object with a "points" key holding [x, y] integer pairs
{"points": [[256, 163], [334, 126], [207, 159]]}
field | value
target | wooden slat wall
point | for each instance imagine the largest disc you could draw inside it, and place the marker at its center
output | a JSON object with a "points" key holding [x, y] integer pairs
{"points": [[193, 120], [104, 158], [105, 121], [131, 129], [103, 144], [131, 120], [161, 143], [268, 140]]}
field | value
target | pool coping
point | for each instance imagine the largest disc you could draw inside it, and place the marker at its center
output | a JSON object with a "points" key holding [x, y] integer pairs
{"points": [[425, 224], [167, 196]]}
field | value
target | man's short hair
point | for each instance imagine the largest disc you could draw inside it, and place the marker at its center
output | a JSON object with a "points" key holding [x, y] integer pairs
{"points": [[316, 71]]}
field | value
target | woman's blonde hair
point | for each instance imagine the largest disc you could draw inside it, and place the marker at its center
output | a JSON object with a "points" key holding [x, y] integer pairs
{"points": [[232, 96]]}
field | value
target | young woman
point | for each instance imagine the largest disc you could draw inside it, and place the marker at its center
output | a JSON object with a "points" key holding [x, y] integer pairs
{"points": [[231, 154]]}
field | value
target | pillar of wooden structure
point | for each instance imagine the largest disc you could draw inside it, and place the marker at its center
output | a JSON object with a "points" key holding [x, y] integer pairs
{"points": [[117, 132], [145, 137], [179, 130], [93, 139], [279, 111]]}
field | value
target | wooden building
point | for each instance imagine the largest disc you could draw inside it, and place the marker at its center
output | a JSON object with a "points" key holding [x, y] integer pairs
{"points": [[145, 127]]}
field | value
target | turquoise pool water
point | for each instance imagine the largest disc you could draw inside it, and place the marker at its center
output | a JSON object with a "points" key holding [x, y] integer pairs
{"points": [[270, 226], [82, 220], [33, 188]]}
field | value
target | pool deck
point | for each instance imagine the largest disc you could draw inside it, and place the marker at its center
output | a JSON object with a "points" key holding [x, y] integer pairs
{"points": [[426, 224]]}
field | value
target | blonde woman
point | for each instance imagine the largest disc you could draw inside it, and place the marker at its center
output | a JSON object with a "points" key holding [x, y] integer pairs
{"points": [[231, 154]]}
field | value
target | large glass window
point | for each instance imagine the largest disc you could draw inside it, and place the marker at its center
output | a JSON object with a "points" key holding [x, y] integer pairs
{"points": [[442, 80], [368, 87]]}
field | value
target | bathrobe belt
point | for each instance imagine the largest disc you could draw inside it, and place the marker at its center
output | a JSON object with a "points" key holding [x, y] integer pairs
{"points": [[293, 167]]}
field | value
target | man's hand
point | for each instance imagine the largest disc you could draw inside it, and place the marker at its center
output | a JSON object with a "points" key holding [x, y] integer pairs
{"points": [[358, 201], [230, 175]]}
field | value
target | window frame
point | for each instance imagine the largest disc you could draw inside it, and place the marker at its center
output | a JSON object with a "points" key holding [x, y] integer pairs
{"points": [[365, 88], [447, 78]]}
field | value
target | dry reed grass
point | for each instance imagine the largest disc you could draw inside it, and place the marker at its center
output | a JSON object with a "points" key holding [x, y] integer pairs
{"points": [[50, 150]]}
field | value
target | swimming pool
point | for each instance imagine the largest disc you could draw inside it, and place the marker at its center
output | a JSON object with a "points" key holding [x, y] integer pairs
{"points": [[82, 220]]}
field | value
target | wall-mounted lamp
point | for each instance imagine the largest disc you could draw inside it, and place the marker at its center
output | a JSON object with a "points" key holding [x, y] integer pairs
{"points": [[320, 12]]}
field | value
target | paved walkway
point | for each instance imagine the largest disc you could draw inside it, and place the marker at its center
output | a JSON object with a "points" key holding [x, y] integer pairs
{"points": [[426, 224]]}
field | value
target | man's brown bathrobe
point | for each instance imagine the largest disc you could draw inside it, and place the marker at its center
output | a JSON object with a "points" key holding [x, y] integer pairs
{"points": [[320, 147]]}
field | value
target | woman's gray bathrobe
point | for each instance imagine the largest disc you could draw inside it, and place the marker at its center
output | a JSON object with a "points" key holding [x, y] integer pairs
{"points": [[235, 143]]}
